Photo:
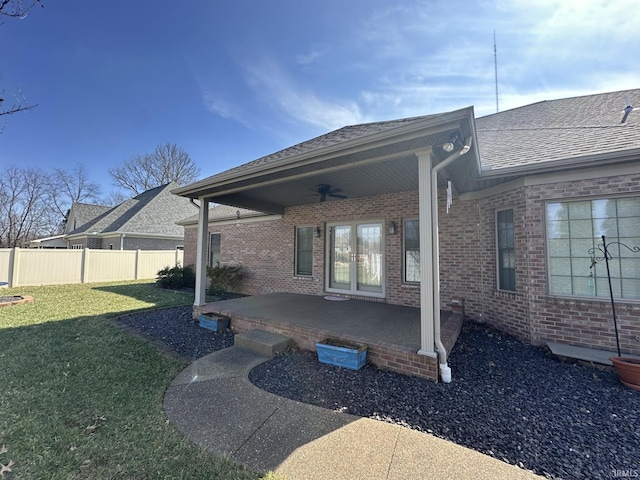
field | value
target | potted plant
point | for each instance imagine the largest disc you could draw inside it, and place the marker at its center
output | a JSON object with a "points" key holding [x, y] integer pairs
{"points": [[341, 354], [627, 368]]}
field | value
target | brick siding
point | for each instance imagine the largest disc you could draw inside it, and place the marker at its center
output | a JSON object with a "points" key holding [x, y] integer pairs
{"points": [[468, 269], [467, 260]]}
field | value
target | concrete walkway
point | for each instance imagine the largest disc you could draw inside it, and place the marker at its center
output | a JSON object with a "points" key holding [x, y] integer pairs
{"points": [[215, 405]]}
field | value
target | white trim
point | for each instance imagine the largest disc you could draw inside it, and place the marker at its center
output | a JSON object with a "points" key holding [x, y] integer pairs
{"points": [[209, 236], [353, 224], [427, 332], [295, 251], [586, 198], [497, 246], [118, 235], [231, 220], [551, 178], [201, 249], [403, 273]]}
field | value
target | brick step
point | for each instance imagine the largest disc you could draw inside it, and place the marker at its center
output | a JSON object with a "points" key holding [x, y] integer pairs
{"points": [[262, 342]]}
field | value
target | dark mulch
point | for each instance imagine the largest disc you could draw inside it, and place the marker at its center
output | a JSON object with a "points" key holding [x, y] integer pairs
{"points": [[507, 399], [175, 328]]}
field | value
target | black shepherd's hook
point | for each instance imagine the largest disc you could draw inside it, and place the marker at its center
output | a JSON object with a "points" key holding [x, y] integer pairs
{"points": [[606, 256]]}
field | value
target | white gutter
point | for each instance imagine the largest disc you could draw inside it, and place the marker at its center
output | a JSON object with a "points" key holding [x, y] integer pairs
{"points": [[445, 370]]}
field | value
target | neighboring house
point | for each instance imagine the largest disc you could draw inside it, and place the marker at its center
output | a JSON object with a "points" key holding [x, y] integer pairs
{"points": [[532, 190], [82, 213], [79, 214], [144, 222]]}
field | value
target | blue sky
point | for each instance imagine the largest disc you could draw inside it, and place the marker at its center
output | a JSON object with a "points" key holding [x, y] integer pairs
{"points": [[232, 81]]}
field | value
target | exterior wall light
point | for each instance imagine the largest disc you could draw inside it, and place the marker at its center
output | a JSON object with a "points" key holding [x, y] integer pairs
{"points": [[392, 227], [453, 143], [317, 232]]}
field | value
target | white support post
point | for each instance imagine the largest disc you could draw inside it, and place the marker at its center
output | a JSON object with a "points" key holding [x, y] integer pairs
{"points": [[136, 274], [427, 343], [84, 269], [14, 267], [201, 254]]}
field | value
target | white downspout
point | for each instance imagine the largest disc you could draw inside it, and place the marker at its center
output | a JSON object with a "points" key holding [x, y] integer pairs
{"points": [[122, 241], [445, 370]]}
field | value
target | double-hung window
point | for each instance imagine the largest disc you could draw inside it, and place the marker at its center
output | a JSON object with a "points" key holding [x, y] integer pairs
{"points": [[411, 250], [304, 251], [506, 251], [214, 249], [574, 235]]}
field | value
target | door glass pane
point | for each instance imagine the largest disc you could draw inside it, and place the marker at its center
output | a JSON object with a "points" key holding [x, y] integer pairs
{"points": [[369, 257], [340, 275]]}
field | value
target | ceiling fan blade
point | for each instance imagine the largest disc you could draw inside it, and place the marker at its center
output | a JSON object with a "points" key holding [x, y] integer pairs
{"points": [[337, 196], [334, 190]]}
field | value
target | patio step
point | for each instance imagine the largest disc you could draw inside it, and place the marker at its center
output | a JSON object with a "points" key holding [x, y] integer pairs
{"points": [[262, 342]]}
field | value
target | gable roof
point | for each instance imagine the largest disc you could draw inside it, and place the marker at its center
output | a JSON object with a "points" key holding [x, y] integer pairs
{"points": [[82, 213], [350, 138], [152, 212], [560, 130]]}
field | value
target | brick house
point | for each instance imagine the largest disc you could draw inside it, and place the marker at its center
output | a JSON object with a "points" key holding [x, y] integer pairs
{"points": [[144, 222], [500, 211]]}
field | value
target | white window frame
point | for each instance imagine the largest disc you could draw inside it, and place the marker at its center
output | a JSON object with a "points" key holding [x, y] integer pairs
{"points": [[295, 252], [209, 258], [499, 286], [404, 251], [597, 284]]}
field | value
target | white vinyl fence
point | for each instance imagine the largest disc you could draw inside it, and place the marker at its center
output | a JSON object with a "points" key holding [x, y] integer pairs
{"points": [[26, 266]]}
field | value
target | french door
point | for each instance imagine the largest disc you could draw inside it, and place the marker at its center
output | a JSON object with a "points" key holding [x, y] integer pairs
{"points": [[355, 257]]}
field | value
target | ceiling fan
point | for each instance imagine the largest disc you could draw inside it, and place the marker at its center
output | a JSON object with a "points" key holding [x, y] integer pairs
{"points": [[323, 191]]}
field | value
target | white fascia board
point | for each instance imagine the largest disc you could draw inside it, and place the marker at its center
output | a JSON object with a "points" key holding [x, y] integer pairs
{"points": [[235, 220]]}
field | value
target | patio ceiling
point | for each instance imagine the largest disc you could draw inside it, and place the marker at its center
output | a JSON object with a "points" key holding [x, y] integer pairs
{"points": [[375, 165]]}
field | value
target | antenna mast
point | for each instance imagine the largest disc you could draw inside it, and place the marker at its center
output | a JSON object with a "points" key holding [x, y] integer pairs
{"points": [[495, 66]]}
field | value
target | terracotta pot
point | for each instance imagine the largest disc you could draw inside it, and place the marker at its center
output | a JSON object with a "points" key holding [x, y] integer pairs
{"points": [[628, 369]]}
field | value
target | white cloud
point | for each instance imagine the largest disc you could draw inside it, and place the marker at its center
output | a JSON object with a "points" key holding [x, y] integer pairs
{"points": [[272, 85], [309, 58], [436, 56]]}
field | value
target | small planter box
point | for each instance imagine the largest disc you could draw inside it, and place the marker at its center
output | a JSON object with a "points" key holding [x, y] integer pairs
{"points": [[342, 354], [217, 324]]}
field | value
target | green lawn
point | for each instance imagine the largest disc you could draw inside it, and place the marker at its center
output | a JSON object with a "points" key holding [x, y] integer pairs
{"points": [[81, 399]]}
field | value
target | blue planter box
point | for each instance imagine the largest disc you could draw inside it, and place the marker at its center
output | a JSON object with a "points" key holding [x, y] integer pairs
{"points": [[342, 354], [216, 324]]}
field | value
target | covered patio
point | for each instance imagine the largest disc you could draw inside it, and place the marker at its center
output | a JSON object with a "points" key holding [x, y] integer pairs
{"points": [[391, 332]]}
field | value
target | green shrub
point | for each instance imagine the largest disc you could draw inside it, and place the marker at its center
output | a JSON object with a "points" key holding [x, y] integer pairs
{"points": [[176, 277], [225, 278]]}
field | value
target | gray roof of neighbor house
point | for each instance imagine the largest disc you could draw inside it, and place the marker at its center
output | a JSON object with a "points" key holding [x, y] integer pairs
{"points": [[560, 130], [153, 212], [82, 213]]}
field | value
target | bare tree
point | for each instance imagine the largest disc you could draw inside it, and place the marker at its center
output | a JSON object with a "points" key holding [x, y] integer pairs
{"points": [[15, 9], [22, 205], [168, 163], [67, 187], [115, 197]]}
